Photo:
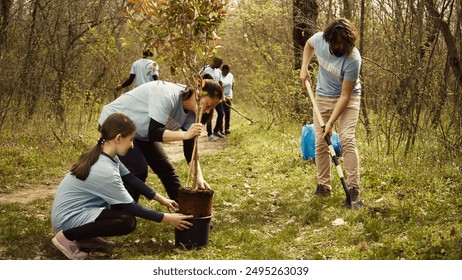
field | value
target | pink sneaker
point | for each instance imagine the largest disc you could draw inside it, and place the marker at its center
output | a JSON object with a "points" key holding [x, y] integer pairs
{"points": [[95, 243], [68, 248]]}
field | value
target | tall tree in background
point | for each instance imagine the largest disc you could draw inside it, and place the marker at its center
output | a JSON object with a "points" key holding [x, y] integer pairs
{"points": [[347, 9], [454, 54], [304, 17], [4, 19], [29, 76], [42, 48], [364, 106], [442, 22]]}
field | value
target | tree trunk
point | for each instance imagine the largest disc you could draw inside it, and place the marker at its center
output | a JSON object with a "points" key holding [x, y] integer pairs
{"points": [[363, 91], [453, 53], [28, 73], [304, 17], [4, 20], [347, 9]]}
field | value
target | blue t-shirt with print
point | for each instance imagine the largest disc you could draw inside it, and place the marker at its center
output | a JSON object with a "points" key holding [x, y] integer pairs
{"points": [[214, 72], [144, 69], [333, 70]]}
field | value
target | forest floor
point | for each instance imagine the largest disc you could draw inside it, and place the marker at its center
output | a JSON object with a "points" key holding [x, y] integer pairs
{"points": [[265, 207], [30, 192]]}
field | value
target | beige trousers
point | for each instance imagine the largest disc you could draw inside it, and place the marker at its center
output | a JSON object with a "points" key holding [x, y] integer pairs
{"points": [[347, 130]]}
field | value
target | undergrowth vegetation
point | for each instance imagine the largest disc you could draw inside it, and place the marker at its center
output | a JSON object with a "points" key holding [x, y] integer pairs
{"points": [[264, 204]]}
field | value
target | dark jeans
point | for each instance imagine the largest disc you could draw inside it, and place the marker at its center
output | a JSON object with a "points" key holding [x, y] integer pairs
{"points": [[219, 122], [227, 109], [152, 154], [111, 222]]}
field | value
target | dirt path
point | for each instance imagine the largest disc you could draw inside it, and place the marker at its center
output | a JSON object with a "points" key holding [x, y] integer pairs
{"points": [[30, 192]]}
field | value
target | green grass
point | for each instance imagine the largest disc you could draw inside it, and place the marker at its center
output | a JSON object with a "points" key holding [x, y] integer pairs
{"points": [[264, 204]]}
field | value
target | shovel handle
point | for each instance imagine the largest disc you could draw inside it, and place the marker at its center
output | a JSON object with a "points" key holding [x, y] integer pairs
{"points": [[329, 143], [315, 106]]}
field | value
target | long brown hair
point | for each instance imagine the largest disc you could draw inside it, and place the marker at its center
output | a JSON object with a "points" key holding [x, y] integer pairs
{"points": [[213, 89], [114, 125], [341, 31]]}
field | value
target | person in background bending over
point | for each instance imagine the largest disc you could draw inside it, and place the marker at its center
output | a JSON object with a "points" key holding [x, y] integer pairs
{"points": [[163, 112], [214, 71], [143, 70], [338, 91], [228, 88], [91, 201]]}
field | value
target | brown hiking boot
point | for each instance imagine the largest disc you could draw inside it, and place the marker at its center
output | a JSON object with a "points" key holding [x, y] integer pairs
{"points": [[323, 190], [354, 194]]}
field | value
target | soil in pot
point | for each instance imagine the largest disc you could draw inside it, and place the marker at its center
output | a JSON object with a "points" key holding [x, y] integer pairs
{"points": [[195, 202]]}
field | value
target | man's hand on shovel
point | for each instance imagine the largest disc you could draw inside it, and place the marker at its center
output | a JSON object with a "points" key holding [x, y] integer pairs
{"points": [[328, 130]]}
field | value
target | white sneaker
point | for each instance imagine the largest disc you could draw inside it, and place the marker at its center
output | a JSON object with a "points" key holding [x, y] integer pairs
{"points": [[219, 134]]}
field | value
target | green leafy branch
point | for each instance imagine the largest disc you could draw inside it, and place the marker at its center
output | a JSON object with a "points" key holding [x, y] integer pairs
{"points": [[184, 34]]}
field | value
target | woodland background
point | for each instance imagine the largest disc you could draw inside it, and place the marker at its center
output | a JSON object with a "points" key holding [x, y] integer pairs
{"points": [[61, 60], [65, 57]]}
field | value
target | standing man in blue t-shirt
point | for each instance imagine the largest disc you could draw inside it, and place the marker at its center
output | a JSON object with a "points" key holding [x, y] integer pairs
{"points": [[143, 70], [338, 93], [228, 88]]}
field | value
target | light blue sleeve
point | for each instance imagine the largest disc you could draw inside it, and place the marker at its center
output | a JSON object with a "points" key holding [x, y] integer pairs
{"points": [[161, 103], [316, 39], [109, 187], [122, 169], [352, 69], [219, 75], [208, 70], [133, 69], [155, 68]]}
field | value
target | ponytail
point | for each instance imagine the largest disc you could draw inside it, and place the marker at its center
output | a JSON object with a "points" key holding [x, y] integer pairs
{"points": [[81, 169], [114, 125]]}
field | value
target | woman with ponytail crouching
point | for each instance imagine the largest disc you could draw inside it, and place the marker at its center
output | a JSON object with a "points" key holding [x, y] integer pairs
{"points": [[91, 202]]}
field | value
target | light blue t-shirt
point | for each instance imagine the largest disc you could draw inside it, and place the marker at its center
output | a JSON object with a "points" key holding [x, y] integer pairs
{"points": [[214, 72], [157, 100], [228, 82], [80, 202], [144, 69], [333, 70]]}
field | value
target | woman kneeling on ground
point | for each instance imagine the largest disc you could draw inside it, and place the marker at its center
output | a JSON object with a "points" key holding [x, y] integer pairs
{"points": [[91, 202]]}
